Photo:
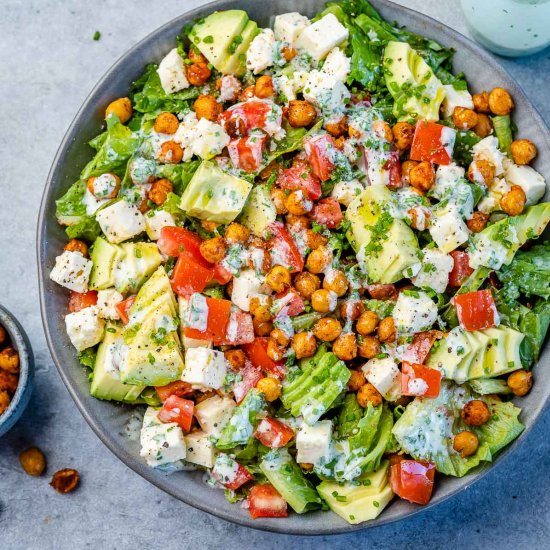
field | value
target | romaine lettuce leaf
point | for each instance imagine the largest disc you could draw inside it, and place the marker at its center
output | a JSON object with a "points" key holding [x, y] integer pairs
{"points": [[71, 204], [179, 174], [86, 228]]}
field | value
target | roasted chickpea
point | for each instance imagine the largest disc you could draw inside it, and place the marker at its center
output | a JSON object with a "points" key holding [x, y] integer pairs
{"points": [[166, 123], [259, 259], [306, 284], [369, 347], [236, 233], [195, 56], [213, 250], [278, 196], [403, 134], [318, 260], [65, 480], [170, 152], [203, 396], [274, 350], [143, 206], [478, 222], [105, 186], [323, 300], [520, 382], [289, 53], [368, 394], [236, 358], [259, 301], [345, 347], [262, 328], [336, 281], [327, 329], [122, 108], [464, 118], [315, 240], [513, 203], [206, 106], [278, 336], [465, 443], [386, 330], [270, 387], [76, 245], [297, 203], [367, 323], [484, 126], [33, 461], [301, 113], [247, 93], [264, 87], [338, 128], [383, 130], [262, 314], [500, 101], [5, 401], [198, 73], [406, 168], [523, 151], [8, 381], [422, 176], [481, 102], [304, 344], [159, 191], [351, 309], [356, 380], [3, 334], [9, 360], [278, 279], [481, 171], [297, 222], [475, 413]]}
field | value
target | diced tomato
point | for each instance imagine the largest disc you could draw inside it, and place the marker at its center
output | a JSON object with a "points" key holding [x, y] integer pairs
{"points": [[328, 212], [174, 240], [420, 381], [123, 308], [300, 176], [239, 476], [273, 433], [393, 166], [178, 410], [251, 375], [190, 276], [319, 151], [420, 347], [433, 142], [222, 275], [81, 300], [240, 329], [178, 388], [246, 153], [219, 312], [257, 353], [413, 480], [265, 502], [288, 303], [461, 268], [252, 113], [285, 247], [476, 310]]}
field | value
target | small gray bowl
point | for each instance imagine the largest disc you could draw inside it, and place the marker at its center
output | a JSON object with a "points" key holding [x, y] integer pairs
{"points": [[20, 342]]}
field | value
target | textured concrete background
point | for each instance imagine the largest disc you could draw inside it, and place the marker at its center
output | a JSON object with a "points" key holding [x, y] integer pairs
{"points": [[48, 63]]}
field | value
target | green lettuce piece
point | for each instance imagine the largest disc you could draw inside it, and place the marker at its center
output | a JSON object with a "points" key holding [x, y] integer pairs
{"points": [[382, 308], [463, 149], [350, 415], [503, 130], [293, 140], [487, 386], [150, 397], [179, 174], [86, 228], [305, 321], [87, 357], [70, 207], [366, 429]]}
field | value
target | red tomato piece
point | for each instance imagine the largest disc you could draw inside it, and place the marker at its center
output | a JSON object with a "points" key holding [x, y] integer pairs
{"points": [[273, 433], [257, 353], [265, 502], [285, 248], [251, 375], [420, 347], [246, 153], [240, 329], [289, 303], [476, 310], [178, 410], [233, 479], [222, 275], [413, 480], [190, 276], [393, 165], [81, 300], [420, 381], [123, 308], [300, 176], [461, 268], [178, 388], [319, 151], [219, 312], [328, 212], [174, 240], [433, 142], [253, 114]]}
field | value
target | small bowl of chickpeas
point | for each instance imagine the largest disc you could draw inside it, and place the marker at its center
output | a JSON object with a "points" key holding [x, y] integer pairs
{"points": [[16, 370]]}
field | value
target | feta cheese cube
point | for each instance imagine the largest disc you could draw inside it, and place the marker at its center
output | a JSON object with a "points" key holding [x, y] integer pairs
{"points": [[456, 98], [446, 177], [187, 342], [162, 444], [448, 230], [260, 53], [85, 328], [121, 221], [532, 183], [414, 311], [72, 270], [172, 74], [247, 285], [107, 301], [155, 220], [326, 93], [288, 26], [434, 274], [487, 149], [320, 37], [384, 375], [346, 191], [337, 65], [284, 86], [313, 442], [214, 413], [209, 139], [200, 450], [204, 368]]}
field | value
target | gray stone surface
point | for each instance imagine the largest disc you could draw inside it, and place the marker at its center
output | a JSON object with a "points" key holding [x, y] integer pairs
{"points": [[49, 63]]}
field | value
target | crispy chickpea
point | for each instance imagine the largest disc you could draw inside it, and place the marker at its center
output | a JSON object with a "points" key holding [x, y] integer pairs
{"points": [[481, 102], [298, 204], [264, 87], [297, 222], [65, 480], [386, 330], [278, 196], [318, 260], [235, 357], [213, 250], [323, 300], [484, 126], [368, 394], [143, 206], [304, 344], [369, 347], [327, 329], [315, 240], [9, 360], [403, 134], [278, 279], [105, 186], [166, 123], [262, 314], [475, 413], [338, 128], [159, 191], [352, 309], [478, 222], [33, 461], [76, 245], [481, 170], [247, 93], [520, 382], [256, 302], [237, 233], [383, 130], [203, 396], [367, 323], [345, 347], [270, 387], [422, 176], [289, 53], [465, 443], [3, 334], [262, 328], [523, 151], [195, 56], [464, 118], [5, 401], [198, 73], [406, 168], [206, 106], [306, 284], [8, 381], [278, 336], [500, 101], [170, 152], [513, 203], [121, 107], [301, 113], [274, 351], [336, 281], [356, 380]]}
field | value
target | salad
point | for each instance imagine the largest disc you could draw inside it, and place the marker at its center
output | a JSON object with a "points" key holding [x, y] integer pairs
{"points": [[311, 252]]}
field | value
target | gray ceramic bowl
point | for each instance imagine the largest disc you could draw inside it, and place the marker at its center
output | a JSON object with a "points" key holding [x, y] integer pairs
{"points": [[108, 420], [20, 342]]}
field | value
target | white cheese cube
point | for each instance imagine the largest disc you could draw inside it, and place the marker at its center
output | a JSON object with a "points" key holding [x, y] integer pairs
{"points": [[85, 328], [259, 55], [456, 98], [384, 375], [288, 26], [204, 368], [162, 444], [247, 285], [107, 301], [214, 413], [434, 273], [187, 342], [72, 270], [284, 86], [346, 191], [121, 221], [448, 230], [151, 418], [313, 442], [487, 149], [172, 74], [324, 92], [337, 65], [532, 183], [200, 450], [209, 139], [320, 37], [446, 177], [155, 220], [414, 311]]}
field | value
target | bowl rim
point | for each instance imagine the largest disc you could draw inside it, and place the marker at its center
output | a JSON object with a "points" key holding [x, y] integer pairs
{"points": [[110, 442]]}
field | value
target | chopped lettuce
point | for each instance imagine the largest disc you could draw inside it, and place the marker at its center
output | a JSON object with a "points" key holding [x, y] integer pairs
{"points": [[86, 228], [503, 130], [350, 415], [487, 386], [179, 174], [70, 207]]}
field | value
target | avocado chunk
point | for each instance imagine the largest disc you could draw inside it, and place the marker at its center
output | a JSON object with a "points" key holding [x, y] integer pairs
{"points": [[479, 344], [259, 210], [104, 257], [416, 91], [137, 263], [214, 195], [450, 353], [218, 35], [236, 62], [386, 246]]}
